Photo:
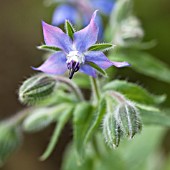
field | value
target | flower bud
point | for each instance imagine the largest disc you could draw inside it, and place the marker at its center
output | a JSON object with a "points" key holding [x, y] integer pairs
{"points": [[127, 116], [111, 130], [41, 118], [36, 88], [130, 32]]}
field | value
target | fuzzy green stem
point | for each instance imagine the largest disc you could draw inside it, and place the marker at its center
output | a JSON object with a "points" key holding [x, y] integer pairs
{"points": [[95, 89], [95, 146], [72, 86]]}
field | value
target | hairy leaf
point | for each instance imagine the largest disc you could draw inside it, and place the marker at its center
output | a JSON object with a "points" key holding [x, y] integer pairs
{"points": [[81, 121], [134, 92], [96, 120], [144, 63], [59, 126], [155, 118]]}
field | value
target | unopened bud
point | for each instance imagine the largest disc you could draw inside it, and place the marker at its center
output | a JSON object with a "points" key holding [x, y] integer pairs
{"points": [[36, 88], [111, 130], [10, 139], [130, 32], [42, 117], [128, 118]]}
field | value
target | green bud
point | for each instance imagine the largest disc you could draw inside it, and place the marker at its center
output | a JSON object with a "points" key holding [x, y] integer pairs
{"points": [[10, 139], [36, 88], [121, 120], [128, 118], [111, 130], [41, 118], [130, 32]]}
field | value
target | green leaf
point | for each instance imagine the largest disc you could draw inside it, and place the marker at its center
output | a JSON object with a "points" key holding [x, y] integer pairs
{"points": [[135, 92], [141, 148], [69, 29], [144, 63], [59, 126], [145, 45], [147, 107], [48, 48], [100, 70], [96, 120], [10, 139], [155, 118], [101, 47], [81, 121]]}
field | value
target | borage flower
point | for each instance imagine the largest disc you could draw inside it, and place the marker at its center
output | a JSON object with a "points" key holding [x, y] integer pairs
{"points": [[75, 51], [80, 10]]}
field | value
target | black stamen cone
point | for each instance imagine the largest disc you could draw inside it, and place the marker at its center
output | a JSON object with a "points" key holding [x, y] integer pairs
{"points": [[71, 73]]}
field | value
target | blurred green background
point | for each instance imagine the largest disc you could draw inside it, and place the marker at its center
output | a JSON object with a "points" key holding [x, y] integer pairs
{"points": [[20, 33]]}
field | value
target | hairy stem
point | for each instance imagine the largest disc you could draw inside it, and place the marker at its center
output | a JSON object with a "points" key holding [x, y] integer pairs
{"points": [[72, 85], [95, 89]]}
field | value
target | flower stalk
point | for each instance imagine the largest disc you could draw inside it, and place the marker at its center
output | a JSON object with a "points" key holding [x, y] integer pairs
{"points": [[72, 86], [95, 89]]}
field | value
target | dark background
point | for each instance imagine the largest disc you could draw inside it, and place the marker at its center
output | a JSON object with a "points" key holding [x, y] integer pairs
{"points": [[20, 33]]}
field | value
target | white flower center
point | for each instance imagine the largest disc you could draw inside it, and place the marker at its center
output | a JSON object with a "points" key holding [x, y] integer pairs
{"points": [[75, 56]]}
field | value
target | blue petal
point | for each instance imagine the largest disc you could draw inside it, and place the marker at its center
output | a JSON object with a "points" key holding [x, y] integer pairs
{"points": [[56, 64], [102, 61], [54, 36], [85, 68], [64, 12], [86, 37], [99, 23], [105, 6]]}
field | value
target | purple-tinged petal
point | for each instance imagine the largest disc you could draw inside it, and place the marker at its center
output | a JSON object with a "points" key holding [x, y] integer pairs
{"points": [[105, 6], [55, 64], [98, 58], [86, 37], [102, 61], [54, 36], [64, 12], [120, 64], [85, 68]]}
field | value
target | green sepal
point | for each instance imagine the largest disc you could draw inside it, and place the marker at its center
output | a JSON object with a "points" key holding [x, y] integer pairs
{"points": [[135, 92], [101, 47], [48, 48], [69, 29], [62, 120], [100, 70], [36, 89]]}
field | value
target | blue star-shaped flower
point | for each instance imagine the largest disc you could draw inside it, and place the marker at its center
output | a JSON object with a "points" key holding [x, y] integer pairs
{"points": [[81, 9], [74, 52]]}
